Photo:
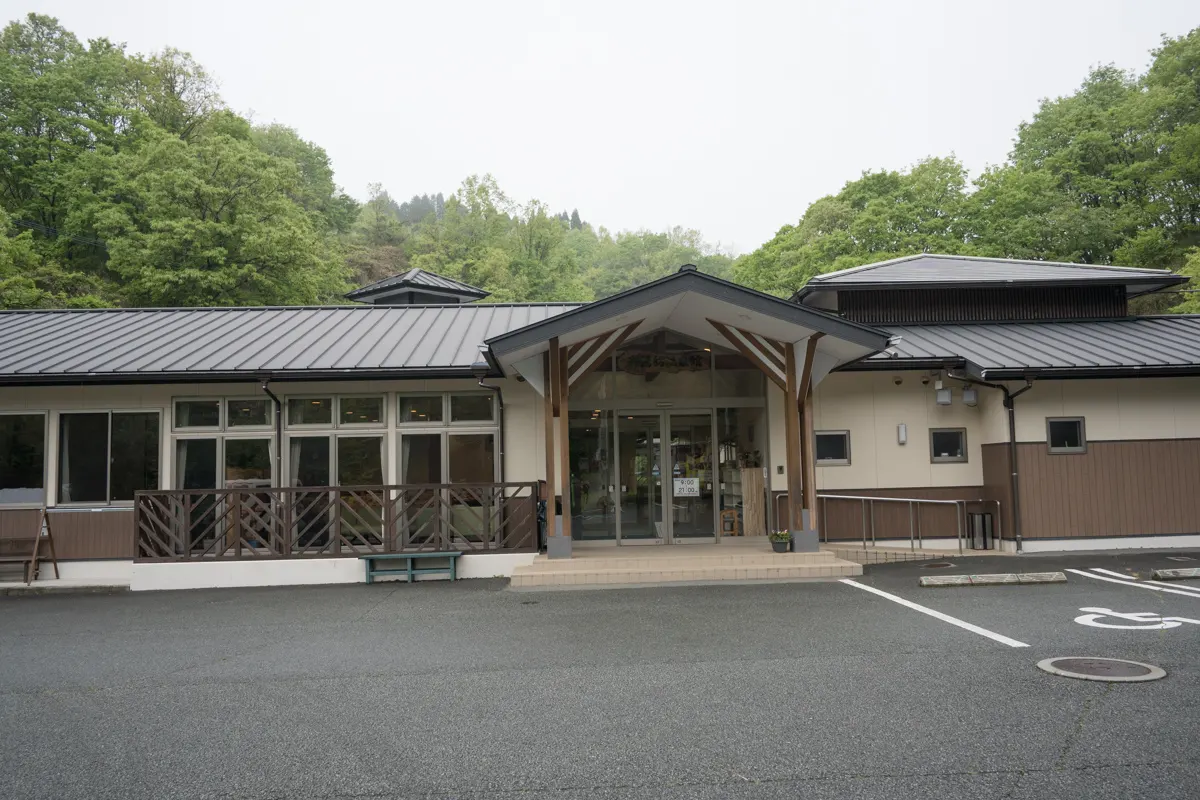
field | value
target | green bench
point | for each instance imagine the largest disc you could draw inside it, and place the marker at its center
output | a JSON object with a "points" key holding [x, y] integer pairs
{"points": [[410, 569]]}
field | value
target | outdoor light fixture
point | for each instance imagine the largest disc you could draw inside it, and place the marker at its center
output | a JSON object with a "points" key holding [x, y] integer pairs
{"points": [[970, 397], [944, 396], [902, 433]]}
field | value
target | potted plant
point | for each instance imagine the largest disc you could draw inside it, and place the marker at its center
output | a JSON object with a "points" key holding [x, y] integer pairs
{"points": [[780, 540]]}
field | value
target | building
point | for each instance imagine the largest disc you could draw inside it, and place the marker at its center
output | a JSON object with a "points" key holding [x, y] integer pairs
{"points": [[274, 444]]}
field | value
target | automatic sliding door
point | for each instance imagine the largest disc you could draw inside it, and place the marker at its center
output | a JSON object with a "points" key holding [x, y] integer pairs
{"points": [[640, 474], [691, 460]]}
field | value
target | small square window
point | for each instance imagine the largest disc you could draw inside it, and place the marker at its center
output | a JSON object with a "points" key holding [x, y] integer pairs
{"points": [[360, 410], [197, 413], [471, 408], [421, 408], [948, 445], [310, 411], [242, 413], [833, 448], [1065, 435]]}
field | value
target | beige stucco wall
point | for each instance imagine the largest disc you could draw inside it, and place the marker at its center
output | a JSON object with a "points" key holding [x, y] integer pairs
{"points": [[524, 432], [1126, 409]]}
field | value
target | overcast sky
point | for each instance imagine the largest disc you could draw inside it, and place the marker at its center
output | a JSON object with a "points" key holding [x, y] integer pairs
{"points": [[729, 117]]}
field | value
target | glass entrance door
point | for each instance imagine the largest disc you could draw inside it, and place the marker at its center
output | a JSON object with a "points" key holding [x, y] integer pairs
{"points": [[639, 448], [693, 515]]}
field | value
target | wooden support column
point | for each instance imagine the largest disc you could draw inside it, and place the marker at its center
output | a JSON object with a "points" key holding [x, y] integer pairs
{"points": [[551, 374], [810, 461], [791, 428], [564, 392]]}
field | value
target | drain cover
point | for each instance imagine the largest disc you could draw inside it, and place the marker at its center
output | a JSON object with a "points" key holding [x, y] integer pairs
{"points": [[1109, 670], [937, 565], [1180, 558]]}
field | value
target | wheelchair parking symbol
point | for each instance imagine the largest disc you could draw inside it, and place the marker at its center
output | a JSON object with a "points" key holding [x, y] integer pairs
{"points": [[1136, 621]]}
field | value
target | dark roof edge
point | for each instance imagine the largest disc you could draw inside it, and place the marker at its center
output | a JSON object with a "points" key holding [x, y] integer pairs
{"points": [[371, 290], [1066, 373], [348, 307], [254, 376], [873, 364], [1168, 279]]}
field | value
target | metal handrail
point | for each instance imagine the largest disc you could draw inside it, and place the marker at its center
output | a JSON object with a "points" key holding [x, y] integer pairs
{"points": [[914, 530]]}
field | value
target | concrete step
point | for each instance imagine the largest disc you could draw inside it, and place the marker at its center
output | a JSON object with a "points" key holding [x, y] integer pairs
{"points": [[591, 562], [665, 573]]}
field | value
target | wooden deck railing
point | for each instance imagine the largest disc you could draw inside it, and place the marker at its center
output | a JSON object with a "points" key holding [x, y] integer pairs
{"points": [[306, 522]]}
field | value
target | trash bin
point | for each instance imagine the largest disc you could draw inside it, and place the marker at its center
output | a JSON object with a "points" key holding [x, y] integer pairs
{"points": [[979, 531]]}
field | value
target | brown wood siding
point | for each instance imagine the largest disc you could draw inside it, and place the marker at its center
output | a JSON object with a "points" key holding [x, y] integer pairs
{"points": [[1141, 487], [77, 534], [844, 518], [927, 306]]}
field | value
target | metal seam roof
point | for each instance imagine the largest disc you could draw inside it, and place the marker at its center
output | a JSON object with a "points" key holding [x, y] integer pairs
{"points": [[418, 278]]}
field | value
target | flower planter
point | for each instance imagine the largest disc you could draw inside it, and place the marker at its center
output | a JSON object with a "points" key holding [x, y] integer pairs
{"points": [[780, 546]]}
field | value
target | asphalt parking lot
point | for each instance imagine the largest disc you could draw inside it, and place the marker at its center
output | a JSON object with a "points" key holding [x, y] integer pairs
{"points": [[471, 690]]}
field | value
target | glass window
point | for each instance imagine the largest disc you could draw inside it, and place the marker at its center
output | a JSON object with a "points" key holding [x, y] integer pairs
{"points": [[83, 458], [472, 458], [310, 411], [1066, 435], [135, 454], [948, 444], [421, 408], [196, 463], [247, 463], [833, 447], [471, 408], [309, 461], [22, 458], [197, 413], [421, 458], [360, 410], [248, 412], [360, 461]]}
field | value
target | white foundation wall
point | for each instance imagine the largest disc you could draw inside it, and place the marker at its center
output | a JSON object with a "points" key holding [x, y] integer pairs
{"points": [[1113, 410]]}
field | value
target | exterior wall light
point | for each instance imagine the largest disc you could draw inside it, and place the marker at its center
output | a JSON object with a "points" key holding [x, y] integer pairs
{"points": [[944, 396], [970, 397], [902, 433]]}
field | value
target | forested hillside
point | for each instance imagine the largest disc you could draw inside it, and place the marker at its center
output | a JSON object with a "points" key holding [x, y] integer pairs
{"points": [[127, 182], [1108, 175]]}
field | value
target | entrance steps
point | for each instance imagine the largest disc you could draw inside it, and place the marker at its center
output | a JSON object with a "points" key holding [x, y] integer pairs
{"points": [[679, 564]]}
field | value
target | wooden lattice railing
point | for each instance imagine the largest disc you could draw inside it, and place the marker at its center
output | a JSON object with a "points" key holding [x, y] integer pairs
{"points": [[275, 522]]}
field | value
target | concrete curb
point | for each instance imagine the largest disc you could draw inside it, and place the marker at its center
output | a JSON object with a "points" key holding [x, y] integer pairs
{"points": [[26, 591], [999, 579], [1176, 574]]}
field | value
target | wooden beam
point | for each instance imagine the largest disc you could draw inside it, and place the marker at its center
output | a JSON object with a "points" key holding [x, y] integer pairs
{"points": [[810, 463], [564, 443], [589, 361], [750, 354], [551, 453], [806, 378], [767, 351], [791, 420]]}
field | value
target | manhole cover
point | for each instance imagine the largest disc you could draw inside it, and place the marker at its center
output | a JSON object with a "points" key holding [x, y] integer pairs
{"points": [[1109, 670], [1180, 558], [938, 565], [529, 602]]}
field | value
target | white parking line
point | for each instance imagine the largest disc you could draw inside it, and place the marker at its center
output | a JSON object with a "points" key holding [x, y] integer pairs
{"points": [[937, 614], [1168, 589], [1120, 575], [1178, 587]]}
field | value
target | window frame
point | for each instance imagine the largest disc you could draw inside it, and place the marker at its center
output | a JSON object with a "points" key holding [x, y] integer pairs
{"points": [[46, 474], [936, 459], [1067, 451], [832, 462], [355, 426], [225, 426], [58, 501], [221, 438], [220, 401], [448, 411], [444, 422], [310, 426]]}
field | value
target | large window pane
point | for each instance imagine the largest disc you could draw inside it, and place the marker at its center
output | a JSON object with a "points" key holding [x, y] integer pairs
{"points": [[421, 458], [472, 458], [248, 412], [196, 464], [310, 411], [421, 409], [134, 454], [22, 458], [310, 461], [247, 463], [360, 410], [471, 408], [197, 413], [360, 461], [833, 447], [83, 458]]}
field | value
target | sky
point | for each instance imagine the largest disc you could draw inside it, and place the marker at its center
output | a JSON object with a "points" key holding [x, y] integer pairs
{"points": [[726, 117]]}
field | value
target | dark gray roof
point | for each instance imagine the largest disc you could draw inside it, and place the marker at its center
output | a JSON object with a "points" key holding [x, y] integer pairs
{"points": [[1133, 346], [418, 280], [208, 344], [931, 270]]}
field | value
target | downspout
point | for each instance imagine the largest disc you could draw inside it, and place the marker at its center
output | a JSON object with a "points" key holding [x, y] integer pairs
{"points": [[480, 369], [1014, 479], [278, 432]]}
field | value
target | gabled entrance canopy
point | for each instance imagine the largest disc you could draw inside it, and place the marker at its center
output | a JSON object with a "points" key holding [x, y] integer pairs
{"points": [[795, 346]]}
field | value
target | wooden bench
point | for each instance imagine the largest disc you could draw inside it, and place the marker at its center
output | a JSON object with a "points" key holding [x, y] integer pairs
{"points": [[410, 569], [29, 551]]}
